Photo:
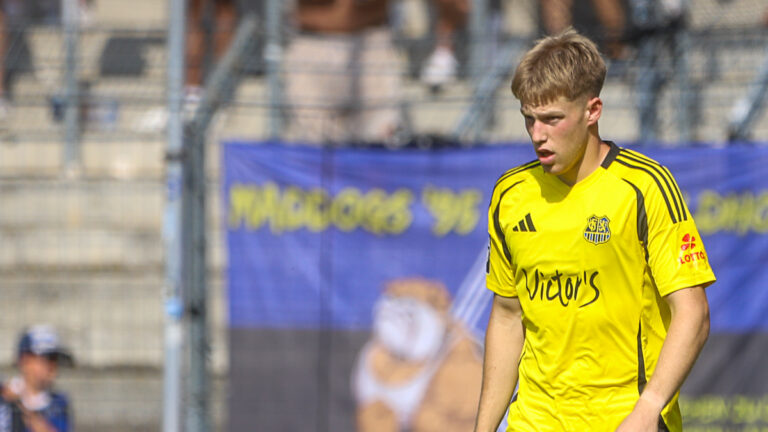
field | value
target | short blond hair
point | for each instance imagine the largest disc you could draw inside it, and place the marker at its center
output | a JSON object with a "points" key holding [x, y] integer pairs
{"points": [[567, 64]]}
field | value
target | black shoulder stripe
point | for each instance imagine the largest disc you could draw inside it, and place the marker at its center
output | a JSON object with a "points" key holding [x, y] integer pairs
{"points": [[674, 189], [657, 169], [497, 223], [677, 191], [521, 168], [658, 183]]}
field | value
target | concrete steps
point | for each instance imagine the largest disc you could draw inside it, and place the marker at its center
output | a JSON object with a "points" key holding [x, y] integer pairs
{"points": [[108, 160], [108, 318]]}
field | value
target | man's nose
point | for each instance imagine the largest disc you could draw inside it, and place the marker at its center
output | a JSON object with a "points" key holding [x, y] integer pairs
{"points": [[538, 132]]}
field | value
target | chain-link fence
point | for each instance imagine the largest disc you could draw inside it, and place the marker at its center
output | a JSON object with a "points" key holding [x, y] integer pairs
{"points": [[81, 237]]}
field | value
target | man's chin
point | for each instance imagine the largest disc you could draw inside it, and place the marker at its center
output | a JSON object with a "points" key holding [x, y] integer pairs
{"points": [[551, 169]]}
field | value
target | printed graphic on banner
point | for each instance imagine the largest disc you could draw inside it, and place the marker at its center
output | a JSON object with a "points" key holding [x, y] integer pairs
{"points": [[419, 351]]}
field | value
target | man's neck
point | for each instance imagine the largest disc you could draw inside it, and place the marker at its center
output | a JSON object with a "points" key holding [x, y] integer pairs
{"points": [[594, 154]]}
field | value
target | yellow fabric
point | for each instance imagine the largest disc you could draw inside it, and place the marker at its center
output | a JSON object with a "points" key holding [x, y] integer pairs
{"points": [[576, 259]]}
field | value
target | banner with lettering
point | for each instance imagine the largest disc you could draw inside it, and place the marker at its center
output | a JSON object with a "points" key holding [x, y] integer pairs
{"points": [[356, 284]]}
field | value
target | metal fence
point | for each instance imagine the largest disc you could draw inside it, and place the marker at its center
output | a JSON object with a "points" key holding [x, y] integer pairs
{"points": [[81, 219]]}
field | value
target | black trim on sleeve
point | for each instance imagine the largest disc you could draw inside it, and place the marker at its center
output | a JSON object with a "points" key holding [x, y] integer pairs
{"points": [[497, 223], [662, 424], [641, 379]]}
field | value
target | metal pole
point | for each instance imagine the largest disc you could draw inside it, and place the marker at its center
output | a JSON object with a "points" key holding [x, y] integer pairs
{"points": [[478, 21], [220, 86], [478, 58], [70, 16], [273, 57], [685, 112], [195, 280], [172, 226]]}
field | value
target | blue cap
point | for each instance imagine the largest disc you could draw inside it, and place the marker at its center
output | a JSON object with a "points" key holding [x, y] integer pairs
{"points": [[43, 340]]}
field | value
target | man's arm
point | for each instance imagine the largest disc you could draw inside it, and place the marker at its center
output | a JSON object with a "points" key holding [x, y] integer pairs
{"points": [[688, 330], [503, 345]]}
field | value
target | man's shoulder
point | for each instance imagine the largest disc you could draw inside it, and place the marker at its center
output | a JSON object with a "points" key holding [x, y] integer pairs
{"points": [[515, 176], [640, 170]]}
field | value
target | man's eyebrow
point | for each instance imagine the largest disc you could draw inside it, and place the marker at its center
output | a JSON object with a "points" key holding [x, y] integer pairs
{"points": [[547, 113]]}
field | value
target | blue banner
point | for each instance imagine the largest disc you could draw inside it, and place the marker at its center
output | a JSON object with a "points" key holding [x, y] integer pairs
{"points": [[357, 292], [314, 235]]}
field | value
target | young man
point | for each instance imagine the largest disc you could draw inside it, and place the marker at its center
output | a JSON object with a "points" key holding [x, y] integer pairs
{"points": [[596, 264], [28, 402]]}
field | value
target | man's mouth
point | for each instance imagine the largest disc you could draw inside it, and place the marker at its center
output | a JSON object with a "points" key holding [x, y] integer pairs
{"points": [[545, 156]]}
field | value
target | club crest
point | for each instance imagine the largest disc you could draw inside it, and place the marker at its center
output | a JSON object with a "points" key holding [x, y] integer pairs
{"points": [[598, 230]]}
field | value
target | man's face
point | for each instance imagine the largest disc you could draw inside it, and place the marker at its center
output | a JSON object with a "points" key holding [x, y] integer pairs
{"points": [[38, 371], [559, 133]]}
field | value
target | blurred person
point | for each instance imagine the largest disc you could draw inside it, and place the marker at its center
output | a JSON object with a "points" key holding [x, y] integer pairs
{"points": [[441, 66], [28, 402], [211, 26], [596, 264], [210, 29], [557, 15], [15, 15], [342, 73], [4, 106], [49, 12]]}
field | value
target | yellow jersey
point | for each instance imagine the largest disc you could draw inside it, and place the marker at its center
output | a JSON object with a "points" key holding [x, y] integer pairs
{"points": [[590, 264]]}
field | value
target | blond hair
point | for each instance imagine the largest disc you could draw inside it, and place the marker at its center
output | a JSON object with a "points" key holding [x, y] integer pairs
{"points": [[567, 64]]}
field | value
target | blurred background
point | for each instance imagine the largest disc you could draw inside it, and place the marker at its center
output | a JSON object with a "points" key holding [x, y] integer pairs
{"points": [[89, 176]]}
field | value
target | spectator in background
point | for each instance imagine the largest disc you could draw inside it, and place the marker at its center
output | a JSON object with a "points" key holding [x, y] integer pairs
{"points": [[15, 15], [343, 73], [441, 66], [4, 107], [210, 28], [28, 402], [557, 15]]}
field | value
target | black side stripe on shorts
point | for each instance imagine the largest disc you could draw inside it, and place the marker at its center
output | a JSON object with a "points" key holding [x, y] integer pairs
{"points": [[497, 223], [658, 183], [665, 175]]}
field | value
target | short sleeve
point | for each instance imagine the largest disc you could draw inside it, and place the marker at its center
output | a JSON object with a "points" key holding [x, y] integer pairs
{"points": [[676, 253]]}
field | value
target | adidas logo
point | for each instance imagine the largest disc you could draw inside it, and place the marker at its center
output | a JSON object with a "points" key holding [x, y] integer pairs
{"points": [[525, 225]]}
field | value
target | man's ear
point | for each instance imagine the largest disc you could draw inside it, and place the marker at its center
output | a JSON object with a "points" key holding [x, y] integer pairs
{"points": [[594, 110]]}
